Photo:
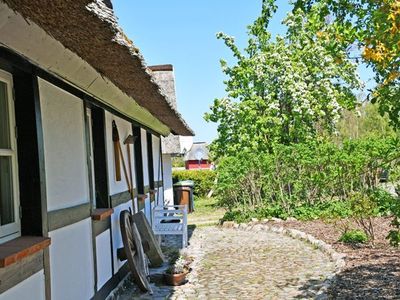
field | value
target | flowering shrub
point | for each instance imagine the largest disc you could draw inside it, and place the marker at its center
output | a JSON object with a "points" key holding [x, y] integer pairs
{"points": [[370, 28], [285, 90]]}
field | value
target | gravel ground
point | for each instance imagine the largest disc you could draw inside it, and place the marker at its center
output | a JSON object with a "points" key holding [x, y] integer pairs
{"points": [[371, 271]]}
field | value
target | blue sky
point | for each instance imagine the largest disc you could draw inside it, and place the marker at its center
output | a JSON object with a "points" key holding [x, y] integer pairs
{"points": [[182, 33]]}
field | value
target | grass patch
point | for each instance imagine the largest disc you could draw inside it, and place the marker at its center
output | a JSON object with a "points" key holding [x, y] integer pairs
{"points": [[206, 212], [204, 205]]}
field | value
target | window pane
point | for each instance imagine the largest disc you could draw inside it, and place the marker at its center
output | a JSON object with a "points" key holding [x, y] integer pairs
{"points": [[4, 118], [6, 191]]}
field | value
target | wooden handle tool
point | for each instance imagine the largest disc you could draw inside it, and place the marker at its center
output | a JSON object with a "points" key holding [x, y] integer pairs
{"points": [[117, 161]]}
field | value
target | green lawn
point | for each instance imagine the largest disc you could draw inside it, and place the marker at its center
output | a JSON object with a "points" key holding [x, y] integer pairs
{"points": [[206, 212]]}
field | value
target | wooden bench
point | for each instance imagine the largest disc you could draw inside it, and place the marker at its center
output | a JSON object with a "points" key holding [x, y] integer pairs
{"points": [[171, 220]]}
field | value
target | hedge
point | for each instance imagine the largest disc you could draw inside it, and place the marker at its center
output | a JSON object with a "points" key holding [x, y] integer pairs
{"points": [[203, 180]]}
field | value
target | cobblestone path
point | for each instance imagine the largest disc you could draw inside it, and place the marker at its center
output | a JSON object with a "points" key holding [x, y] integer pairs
{"points": [[239, 264], [245, 264]]}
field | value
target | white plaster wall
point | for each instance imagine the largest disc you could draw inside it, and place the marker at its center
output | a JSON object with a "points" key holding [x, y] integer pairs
{"points": [[147, 208], [167, 171], [64, 147], [104, 258], [71, 262], [116, 233], [29, 289], [160, 196], [144, 157], [124, 129]]}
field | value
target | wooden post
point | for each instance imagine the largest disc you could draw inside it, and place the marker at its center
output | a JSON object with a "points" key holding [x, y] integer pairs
{"points": [[42, 175]]}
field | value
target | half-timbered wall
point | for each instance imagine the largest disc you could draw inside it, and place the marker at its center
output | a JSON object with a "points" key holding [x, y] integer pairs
{"points": [[104, 258], [117, 187], [65, 148], [31, 288], [71, 262], [82, 258], [67, 186], [124, 129]]}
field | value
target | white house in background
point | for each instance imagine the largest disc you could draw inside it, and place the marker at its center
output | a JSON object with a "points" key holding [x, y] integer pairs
{"points": [[198, 158], [186, 143], [69, 78]]}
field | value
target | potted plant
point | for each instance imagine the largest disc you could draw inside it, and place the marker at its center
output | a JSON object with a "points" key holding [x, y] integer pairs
{"points": [[179, 268]]}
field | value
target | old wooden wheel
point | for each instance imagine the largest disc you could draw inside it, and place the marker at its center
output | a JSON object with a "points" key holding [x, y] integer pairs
{"points": [[134, 251]]}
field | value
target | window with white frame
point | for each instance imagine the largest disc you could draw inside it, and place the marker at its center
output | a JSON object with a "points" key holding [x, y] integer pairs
{"points": [[9, 198]]}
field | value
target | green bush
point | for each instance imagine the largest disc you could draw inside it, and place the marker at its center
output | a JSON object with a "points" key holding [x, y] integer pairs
{"points": [[298, 177], [178, 162], [311, 181], [238, 216], [328, 210], [384, 200], [354, 237], [203, 180], [394, 233]]}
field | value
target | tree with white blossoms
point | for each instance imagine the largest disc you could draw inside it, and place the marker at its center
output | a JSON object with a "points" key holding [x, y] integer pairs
{"points": [[287, 90]]}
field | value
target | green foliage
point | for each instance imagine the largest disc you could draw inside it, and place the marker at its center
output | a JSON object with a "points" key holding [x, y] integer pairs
{"points": [[309, 181], [284, 99], [366, 121], [385, 202], [203, 180], [354, 237], [178, 162], [364, 207], [304, 174], [327, 210], [370, 27], [238, 216], [324, 210], [287, 90], [394, 233]]}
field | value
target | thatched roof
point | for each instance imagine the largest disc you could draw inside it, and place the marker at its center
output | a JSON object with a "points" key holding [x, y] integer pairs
{"points": [[198, 151], [171, 145], [90, 29], [164, 76]]}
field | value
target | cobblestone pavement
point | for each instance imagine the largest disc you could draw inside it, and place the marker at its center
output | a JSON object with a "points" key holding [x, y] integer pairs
{"points": [[247, 264]]}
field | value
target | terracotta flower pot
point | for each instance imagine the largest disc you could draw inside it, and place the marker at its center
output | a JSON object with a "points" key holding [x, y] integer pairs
{"points": [[175, 279]]}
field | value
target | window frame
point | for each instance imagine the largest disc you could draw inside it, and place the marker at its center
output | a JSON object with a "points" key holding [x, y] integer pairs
{"points": [[11, 230]]}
